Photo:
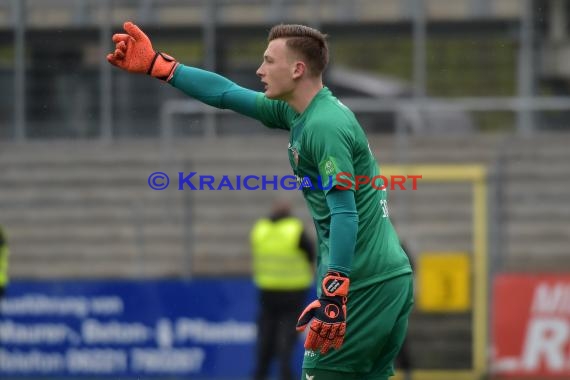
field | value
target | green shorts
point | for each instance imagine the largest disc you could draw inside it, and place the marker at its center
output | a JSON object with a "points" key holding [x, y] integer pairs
{"points": [[377, 323]]}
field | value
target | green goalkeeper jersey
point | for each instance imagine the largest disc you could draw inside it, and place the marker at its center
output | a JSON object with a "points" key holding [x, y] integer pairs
{"points": [[325, 140], [328, 148]]}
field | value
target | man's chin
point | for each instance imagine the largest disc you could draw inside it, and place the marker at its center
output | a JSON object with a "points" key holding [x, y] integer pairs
{"points": [[272, 96]]}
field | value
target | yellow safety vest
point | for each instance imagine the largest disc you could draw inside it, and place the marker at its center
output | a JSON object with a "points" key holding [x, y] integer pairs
{"points": [[4, 265], [278, 262]]}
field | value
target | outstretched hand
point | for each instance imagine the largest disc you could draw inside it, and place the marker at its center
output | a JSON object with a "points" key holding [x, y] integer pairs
{"points": [[133, 50], [134, 53]]}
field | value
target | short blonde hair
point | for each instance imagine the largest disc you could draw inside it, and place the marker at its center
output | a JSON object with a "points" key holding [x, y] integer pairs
{"points": [[308, 42]]}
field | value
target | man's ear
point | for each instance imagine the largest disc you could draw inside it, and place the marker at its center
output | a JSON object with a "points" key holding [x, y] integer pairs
{"points": [[299, 69]]}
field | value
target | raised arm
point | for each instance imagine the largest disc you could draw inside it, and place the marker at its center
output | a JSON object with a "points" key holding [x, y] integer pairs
{"points": [[216, 90], [134, 53]]}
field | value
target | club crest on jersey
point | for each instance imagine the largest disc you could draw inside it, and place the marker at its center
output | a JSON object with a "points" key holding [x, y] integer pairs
{"points": [[295, 154]]}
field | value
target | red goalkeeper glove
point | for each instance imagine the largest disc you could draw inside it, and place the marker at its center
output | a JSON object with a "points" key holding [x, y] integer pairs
{"points": [[134, 53], [328, 314]]}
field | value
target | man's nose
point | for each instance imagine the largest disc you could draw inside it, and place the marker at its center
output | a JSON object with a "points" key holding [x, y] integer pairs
{"points": [[259, 72]]}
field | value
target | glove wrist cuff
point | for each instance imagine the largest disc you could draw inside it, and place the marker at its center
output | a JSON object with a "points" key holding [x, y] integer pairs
{"points": [[162, 66], [335, 285]]}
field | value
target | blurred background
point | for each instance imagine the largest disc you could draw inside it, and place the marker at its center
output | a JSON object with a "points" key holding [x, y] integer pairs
{"points": [[109, 278]]}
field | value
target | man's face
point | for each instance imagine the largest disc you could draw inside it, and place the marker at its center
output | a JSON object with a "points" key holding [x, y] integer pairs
{"points": [[278, 70]]}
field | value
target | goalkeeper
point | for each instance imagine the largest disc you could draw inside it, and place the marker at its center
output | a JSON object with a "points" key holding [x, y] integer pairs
{"points": [[358, 323]]}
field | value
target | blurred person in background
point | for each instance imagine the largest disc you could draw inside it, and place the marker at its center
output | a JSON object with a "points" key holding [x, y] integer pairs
{"points": [[4, 252], [365, 287], [283, 258]]}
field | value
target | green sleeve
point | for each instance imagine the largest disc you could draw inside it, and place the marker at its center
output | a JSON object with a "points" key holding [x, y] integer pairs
{"points": [[220, 92], [330, 148], [343, 230], [215, 90]]}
